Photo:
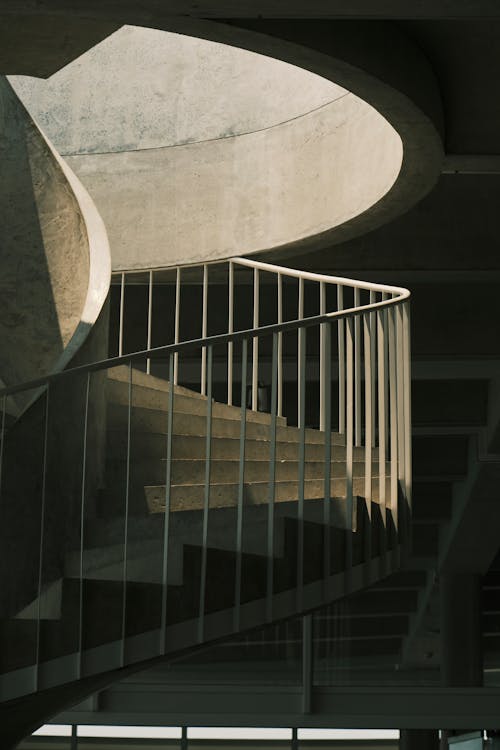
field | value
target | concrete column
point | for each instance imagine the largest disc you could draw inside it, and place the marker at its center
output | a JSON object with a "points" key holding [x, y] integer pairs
{"points": [[418, 739], [461, 639]]}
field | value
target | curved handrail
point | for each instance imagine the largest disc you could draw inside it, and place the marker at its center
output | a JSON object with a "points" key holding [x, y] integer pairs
{"points": [[319, 277], [194, 344]]}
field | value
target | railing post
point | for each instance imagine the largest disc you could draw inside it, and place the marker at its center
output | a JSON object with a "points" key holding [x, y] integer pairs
{"points": [[382, 437], [125, 529], [373, 359], [82, 523], [407, 398], [369, 423], [322, 356], [168, 490], [42, 532], [300, 374], [393, 446], [241, 484], [255, 342], [272, 481], [357, 371], [204, 331], [280, 346], [327, 426], [230, 329], [349, 442], [122, 311], [341, 353], [206, 502], [302, 461], [150, 320], [2, 444], [177, 321]]}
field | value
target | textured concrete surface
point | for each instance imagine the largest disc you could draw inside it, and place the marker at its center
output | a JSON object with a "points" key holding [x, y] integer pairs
{"points": [[289, 191], [243, 194], [144, 88], [45, 262]]}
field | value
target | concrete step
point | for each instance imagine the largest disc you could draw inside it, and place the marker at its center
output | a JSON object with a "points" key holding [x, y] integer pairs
{"points": [[152, 420], [187, 471], [154, 445], [184, 401], [139, 377], [184, 497]]}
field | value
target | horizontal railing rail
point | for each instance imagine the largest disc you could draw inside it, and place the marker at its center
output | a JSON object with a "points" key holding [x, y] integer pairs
{"points": [[193, 344]]}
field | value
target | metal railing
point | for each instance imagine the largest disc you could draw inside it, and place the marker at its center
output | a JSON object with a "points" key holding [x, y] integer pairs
{"points": [[337, 366]]}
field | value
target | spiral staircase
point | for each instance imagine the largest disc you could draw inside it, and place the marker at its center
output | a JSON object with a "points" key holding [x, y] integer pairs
{"points": [[159, 497]]}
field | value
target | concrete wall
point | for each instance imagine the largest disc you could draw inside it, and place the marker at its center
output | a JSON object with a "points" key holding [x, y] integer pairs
{"points": [[143, 88], [47, 261], [194, 150], [243, 194]]}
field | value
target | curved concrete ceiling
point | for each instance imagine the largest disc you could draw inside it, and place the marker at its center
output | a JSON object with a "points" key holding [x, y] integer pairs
{"points": [[406, 96]]}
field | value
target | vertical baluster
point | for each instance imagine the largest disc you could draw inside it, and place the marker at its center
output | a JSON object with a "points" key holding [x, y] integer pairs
{"points": [[307, 663], [125, 529], [280, 346], [166, 517], [407, 399], [302, 461], [122, 311], [357, 371], [230, 329], [2, 437], [341, 349], [82, 522], [255, 357], [241, 484], [300, 375], [369, 421], [204, 331], [385, 296], [177, 322], [272, 481], [150, 320], [349, 438], [393, 434], [373, 355], [382, 437], [327, 426], [400, 366], [322, 357], [42, 532], [206, 502]]}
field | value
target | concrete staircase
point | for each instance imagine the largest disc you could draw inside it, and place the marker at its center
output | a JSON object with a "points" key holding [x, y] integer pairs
{"points": [[119, 577]]}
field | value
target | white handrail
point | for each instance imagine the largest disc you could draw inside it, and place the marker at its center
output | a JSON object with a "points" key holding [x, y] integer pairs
{"points": [[310, 276]]}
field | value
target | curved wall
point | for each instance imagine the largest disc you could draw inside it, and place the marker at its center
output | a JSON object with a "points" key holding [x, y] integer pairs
{"points": [[47, 306], [243, 194], [195, 151], [143, 88]]}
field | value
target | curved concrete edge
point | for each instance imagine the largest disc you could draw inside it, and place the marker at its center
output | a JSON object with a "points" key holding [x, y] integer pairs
{"points": [[378, 63], [99, 279], [375, 60], [208, 201]]}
